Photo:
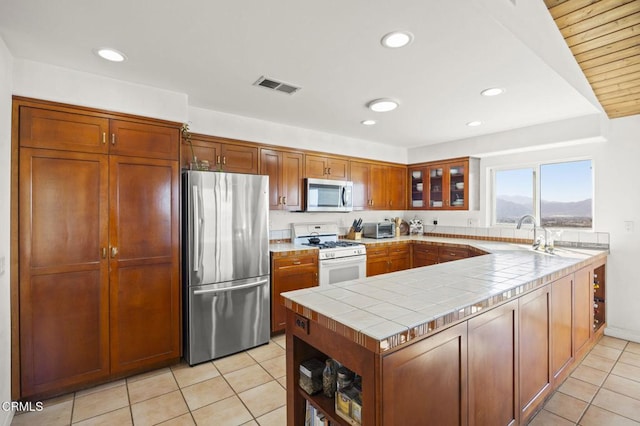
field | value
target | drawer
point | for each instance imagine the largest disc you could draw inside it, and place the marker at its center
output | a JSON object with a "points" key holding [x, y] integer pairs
{"points": [[377, 251], [295, 261], [399, 249], [426, 249], [452, 253]]}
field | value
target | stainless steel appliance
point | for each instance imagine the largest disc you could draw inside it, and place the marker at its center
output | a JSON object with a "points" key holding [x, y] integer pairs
{"points": [[225, 263], [379, 230], [338, 260], [324, 195]]}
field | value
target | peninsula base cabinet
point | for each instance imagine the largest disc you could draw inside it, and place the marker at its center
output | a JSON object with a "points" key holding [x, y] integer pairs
{"points": [[496, 368], [98, 247]]}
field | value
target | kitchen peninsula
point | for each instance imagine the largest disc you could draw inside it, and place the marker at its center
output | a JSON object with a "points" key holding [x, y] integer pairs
{"points": [[482, 340]]}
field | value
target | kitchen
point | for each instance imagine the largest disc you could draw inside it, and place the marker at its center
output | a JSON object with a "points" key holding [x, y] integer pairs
{"points": [[609, 143]]}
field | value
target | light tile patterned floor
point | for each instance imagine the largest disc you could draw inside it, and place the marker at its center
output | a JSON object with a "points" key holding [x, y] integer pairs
{"points": [[603, 390], [249, 389], [243, 389]]}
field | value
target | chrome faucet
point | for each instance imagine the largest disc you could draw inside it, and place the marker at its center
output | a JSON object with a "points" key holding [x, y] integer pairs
{"points": [[536, 240]]}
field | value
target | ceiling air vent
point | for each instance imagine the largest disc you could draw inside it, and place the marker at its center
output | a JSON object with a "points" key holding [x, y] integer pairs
{"points": [[279, 86]]}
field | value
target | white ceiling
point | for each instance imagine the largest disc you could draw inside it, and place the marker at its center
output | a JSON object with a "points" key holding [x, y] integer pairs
{"points": [[215, 50]]}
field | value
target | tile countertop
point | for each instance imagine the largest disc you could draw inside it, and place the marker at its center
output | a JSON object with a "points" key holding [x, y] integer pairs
{"points": [[384, 311]]}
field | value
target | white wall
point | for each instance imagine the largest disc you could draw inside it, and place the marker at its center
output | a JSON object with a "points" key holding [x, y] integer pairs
{"points": [[5, 197]]}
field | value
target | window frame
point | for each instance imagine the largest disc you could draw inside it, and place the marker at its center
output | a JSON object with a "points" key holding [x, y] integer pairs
{"points": [[536, 170]]}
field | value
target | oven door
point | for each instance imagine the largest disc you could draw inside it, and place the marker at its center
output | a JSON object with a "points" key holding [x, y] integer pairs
{"points": [[333, 271]]}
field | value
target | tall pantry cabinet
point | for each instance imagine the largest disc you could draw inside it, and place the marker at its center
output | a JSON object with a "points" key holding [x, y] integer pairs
{"points": [[98, 245]]}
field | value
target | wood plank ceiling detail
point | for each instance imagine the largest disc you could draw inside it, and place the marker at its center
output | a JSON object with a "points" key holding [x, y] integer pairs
{"points": [[604, 36]]}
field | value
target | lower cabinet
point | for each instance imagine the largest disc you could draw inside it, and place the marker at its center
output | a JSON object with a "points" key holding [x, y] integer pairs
{"points": [[290, 273], [534, 337], [422, 381], [492, 369], [430, 254], [382, 259]]}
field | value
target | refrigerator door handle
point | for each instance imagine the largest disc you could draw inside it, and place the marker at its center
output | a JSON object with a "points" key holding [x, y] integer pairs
{"points": [[196, 228], [240, 287]]}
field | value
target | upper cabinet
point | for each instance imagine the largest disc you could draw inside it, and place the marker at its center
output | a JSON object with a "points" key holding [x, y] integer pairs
{"points": [[378, 186], [222, 154], [284, 169], [445, 185], [323, 167]]}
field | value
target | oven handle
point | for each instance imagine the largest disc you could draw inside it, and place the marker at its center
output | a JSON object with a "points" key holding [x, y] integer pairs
{"points": [[342, 260]]}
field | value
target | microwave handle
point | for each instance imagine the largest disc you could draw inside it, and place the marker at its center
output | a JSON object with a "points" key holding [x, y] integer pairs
{"points": [[344, 194]]}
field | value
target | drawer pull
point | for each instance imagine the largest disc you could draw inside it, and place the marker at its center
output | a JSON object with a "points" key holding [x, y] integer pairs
{"points": [[297, 262]]}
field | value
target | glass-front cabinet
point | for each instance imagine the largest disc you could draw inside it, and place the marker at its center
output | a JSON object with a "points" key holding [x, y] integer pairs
{"points": [[440, 186]]}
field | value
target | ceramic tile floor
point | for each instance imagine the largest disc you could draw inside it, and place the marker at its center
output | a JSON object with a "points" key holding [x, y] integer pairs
{"points": [[243, 389], [249, 389]]}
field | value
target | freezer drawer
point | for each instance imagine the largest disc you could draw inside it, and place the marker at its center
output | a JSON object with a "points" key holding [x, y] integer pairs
{"points": [[226, 318]]}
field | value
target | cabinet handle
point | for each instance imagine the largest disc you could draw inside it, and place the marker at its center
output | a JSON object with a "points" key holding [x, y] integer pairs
{"points": [[104, 252], [329, 171], [113, 138], [114, 251], [218, 159], [224, 160], [297, 262], [104, 137], [284, 200]]}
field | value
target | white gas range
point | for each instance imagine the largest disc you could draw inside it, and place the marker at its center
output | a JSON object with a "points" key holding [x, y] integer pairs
{"points": [[339, 260]]}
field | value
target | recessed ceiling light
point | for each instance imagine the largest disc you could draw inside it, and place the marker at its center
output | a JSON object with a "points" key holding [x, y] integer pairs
{"points": [[474, 123], [397, 39], [493, 91], [382, 105], [368, 122], [110, 54]]}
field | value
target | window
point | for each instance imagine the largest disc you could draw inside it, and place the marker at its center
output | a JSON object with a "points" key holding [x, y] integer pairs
{"points": [[559, 194]]}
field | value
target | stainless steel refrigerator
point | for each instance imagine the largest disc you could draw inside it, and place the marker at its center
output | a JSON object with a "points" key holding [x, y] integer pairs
{"points": [[225, 263]]}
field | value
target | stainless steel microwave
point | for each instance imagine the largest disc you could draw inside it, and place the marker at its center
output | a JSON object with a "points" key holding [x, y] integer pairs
{"points": [[324, 195]]}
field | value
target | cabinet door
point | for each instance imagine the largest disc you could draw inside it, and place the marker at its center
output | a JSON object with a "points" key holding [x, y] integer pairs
{"points": [[271, 165], [239, 159], [338, 168], [457, 187], [202, 150], [492, 368], [315, 167], [425, 383], [535, 377], [424, 255], [378, 187], [397, 188], [144, 140], [64, 305], [43, 128], [418, 184], [582, 309], [436, 187], [377, 260], [447, 254], [399, 257], [290, 273], [292, 185], [360, 178], [561, 324], [144, 286]]}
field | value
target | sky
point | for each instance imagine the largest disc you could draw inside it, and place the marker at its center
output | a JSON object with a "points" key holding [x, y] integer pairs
{"points": [[569, 181]]}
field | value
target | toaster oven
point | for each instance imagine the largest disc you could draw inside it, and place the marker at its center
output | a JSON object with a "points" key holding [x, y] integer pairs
{"points": [[379, 230]]}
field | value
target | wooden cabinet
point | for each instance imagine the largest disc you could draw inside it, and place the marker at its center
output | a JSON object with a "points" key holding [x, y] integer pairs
{"points": [[378, 187], [382, 259], [583, 310], [99, 284], [422, 381], [447, 254], [535, 348], [325, 167], [64, 287], [562, 307], [424, 255], [143, 251], [290, 273], [284, 169], [446, 185], [492, 369], [222, 154]]}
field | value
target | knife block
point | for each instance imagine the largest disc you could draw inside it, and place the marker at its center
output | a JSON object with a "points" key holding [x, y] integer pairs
{"points": [[353, 235]]}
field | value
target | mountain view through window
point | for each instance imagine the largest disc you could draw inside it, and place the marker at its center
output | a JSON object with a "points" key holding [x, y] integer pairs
{"points": [[565, 198]]}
